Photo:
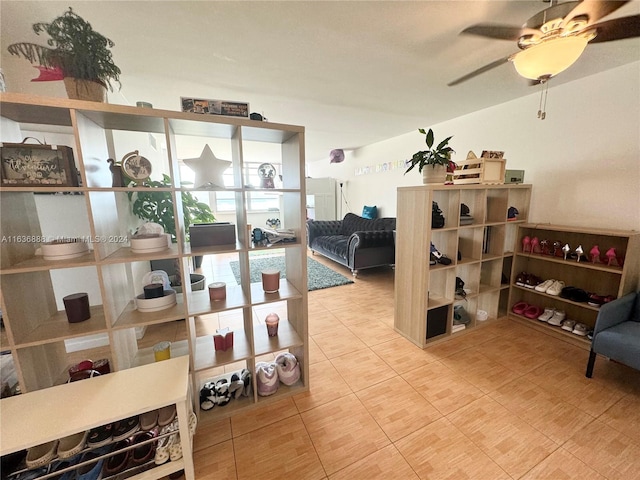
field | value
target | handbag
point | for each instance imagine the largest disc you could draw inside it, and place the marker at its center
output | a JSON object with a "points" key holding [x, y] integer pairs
{"points": [[437, 218]]}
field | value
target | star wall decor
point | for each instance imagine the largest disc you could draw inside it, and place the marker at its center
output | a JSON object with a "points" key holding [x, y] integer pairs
{"points": [[208, 169]]}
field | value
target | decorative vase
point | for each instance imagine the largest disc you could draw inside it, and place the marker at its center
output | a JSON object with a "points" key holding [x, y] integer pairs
{"points": [[79, 89], [434, 174]]}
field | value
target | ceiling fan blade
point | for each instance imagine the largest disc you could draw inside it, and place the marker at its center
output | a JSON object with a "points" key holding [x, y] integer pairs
{"points": [[500, 32], [479, 71], [617, 29], [594, 9]]}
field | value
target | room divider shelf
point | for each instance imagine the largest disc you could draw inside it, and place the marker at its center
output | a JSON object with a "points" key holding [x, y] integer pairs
{"points": [[425, 296], [31, 288]]}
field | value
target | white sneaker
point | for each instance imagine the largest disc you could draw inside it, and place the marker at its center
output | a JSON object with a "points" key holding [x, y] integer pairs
{"points": [[580, 329], [548, 313], [568, 325], [557, 318], [556, 288], [544, 286]]}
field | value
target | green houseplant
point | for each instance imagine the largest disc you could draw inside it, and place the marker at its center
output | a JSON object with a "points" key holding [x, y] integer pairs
{"points": [[439, 155], [79, 55], [157, 206]]}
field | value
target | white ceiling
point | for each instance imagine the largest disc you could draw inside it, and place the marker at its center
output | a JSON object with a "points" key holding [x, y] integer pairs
{"points": [[351, 72]]}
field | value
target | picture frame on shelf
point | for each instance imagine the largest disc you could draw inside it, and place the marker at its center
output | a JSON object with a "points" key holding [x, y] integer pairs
{"points": [[37, 165], [214, 107], [492, 154]]}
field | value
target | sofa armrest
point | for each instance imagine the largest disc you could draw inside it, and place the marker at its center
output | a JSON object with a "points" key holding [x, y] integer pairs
{"points": [[368, 239], [615, 312], [320, 228]]}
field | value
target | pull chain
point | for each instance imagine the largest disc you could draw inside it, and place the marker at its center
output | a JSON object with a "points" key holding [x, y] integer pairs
{"points": [[542, 107]]}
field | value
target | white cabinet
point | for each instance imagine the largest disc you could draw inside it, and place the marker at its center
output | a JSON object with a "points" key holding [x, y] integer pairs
{"points": [[321, 198], [42, 416]]}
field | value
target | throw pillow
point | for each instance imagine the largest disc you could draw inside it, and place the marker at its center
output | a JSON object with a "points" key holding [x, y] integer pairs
{"points": [[370, 212]]}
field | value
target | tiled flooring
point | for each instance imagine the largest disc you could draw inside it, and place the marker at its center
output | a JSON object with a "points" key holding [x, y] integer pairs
{"points": [[501, 402]]}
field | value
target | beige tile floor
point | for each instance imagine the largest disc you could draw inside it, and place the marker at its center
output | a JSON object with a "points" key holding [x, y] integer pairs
{"points": [[501, 402]]}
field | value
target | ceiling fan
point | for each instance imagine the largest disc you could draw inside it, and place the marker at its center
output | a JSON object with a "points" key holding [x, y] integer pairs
{"points": [[553, 39]]}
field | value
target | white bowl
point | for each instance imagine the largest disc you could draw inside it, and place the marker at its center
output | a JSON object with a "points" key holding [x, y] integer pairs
{"points": [[64, 249], [150, 243], [156, 304]]}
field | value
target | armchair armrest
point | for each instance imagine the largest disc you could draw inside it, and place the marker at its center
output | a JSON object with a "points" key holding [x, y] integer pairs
{"points": [[615, 312], [320, 228]]}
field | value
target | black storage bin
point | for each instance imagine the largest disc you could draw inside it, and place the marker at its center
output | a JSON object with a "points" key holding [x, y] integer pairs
{"points": [[437, 321]]}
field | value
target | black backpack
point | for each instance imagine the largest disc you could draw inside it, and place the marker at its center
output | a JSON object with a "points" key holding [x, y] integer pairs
{"points": [[437, 219]]}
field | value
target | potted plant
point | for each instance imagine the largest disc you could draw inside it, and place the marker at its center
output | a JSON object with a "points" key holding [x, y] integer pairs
{"points": [[437, 157], [157, 206], [75, 53]]}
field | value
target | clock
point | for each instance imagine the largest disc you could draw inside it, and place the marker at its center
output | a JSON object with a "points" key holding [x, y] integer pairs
{"points": [[136, 167], [266, 172]]}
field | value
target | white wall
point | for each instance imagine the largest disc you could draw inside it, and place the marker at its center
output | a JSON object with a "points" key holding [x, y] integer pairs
{"points": [[583, 160]]}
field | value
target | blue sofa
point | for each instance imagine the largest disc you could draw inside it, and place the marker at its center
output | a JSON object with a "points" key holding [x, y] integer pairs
{"points": [[354, 242]]}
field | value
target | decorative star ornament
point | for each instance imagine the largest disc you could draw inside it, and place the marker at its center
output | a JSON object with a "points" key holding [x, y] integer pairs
{"points": [[208, 169]]}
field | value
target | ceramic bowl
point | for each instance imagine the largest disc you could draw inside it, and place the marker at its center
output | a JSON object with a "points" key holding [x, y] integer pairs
{"points": [[156, 304], [149, 243], [64, 249]]}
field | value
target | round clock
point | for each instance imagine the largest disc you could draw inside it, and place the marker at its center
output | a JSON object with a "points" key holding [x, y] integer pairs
{"points": [[266, 172], [136, 167]]}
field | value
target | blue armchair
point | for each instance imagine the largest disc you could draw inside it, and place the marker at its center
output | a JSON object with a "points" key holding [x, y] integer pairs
{"points": [[617, 332]]}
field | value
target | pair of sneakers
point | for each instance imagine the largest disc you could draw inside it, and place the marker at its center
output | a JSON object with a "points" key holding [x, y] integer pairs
{"points": [[552, 316], [550, 287], [285, 369], [575, 328]]}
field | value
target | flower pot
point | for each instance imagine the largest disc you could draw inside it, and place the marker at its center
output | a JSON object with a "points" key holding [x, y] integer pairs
{"points": [[434, 174], [78, 89]]}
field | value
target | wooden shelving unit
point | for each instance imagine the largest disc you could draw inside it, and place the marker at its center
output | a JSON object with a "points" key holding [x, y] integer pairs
{"points": [[598, 278], [31, 288], [425, 294]]}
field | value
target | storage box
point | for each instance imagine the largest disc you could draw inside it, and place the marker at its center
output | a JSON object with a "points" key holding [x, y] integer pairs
{"points": [[437, 321], [487, 171], [211, 234]]}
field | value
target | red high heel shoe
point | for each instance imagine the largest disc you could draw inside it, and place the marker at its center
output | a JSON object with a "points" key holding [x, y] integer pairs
{"points": [[595, 254], [611, 257], [535, 245], [544, 246], [526, 244]]}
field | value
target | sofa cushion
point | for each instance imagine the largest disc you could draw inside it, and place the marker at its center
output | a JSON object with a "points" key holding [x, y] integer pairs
{"points": [[334, 244], [354, 223]]}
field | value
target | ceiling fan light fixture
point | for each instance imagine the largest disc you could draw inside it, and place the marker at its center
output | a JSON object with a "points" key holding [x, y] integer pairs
{"points": [[550, 57]]}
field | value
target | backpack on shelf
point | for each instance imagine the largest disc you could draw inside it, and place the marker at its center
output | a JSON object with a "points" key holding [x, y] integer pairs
{"points": [[437, 219]]}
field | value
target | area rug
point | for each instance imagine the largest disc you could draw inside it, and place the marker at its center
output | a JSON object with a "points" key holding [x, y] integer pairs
{"points": [[318, 275]]}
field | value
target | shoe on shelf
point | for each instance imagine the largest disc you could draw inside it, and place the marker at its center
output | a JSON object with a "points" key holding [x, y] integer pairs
{"points": [[580, 329], [148, 420], [557, 318], [519, 308], [533, 311], [595, 300], [440, 257], [118, 462], [556, 288], [100, 436], [526, 244], [41, 454], [166, 415], [521, 279], [125, 428], [72, 445], [547, 314], [568, 325], [535, 245], [532, 281], [93, 470], [544, 286]]}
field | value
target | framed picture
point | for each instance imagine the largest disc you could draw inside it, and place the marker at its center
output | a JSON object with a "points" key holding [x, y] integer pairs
{"points": [[37, 165], [214, 107], [492, 154]]}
